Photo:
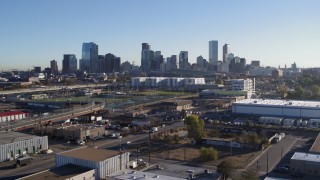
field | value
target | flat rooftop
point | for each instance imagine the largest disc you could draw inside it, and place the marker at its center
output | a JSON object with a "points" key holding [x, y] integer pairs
{"points": [[60, 173], [316, 145], [11, 136], [129, 174], [279, 102], [306, 157], [91, 154]]}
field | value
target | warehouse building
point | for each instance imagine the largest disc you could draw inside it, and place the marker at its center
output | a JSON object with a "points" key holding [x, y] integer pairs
{"points": [[15, 144], [305, 163], [105, 162], [280, 108], [69, 172], [12, 116], [72, 132], [130, 174]]}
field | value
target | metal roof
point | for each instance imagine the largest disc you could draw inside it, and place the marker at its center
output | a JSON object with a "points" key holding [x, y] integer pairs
{"points": [[11, 136], [280, 102], [131, 174], [11, 113], [306, 157], [91, 154]]}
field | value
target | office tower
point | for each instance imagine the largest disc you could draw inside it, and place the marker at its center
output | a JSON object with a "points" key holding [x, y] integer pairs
{"points": [[145, 46], [158, 60], [54, 67], [102, 64], [37, 69], [112, 63], [255, 63], [69, 64], [174, 63], [183, 59], [225, 52], [147, 56], [90, 57], [213, 53]]}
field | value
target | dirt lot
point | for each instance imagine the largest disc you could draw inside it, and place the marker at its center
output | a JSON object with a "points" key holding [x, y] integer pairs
{"points": [[240, 157]]}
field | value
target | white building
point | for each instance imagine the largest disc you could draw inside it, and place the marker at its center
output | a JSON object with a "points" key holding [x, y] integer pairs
{"points": [[15, 144], [276, 107], [105, 162], [246, 85], [173, 82], [305, 163]]}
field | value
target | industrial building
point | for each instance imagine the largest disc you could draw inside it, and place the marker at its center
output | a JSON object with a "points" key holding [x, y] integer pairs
{"points": [[172, 82], [15, 144], [105, 162], [66, 172], [279, 108], [72, 131], [305, 163], [176, 105], [12, 116], [131, 174]]}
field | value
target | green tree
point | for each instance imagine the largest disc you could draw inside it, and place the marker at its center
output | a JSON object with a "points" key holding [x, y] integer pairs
{"points": [[282, 90], [183, 114], [249, 174], [299, 92], [225, 168], [315, 90], [176, 138], [219, 81], [195, 127], [208, 154]]}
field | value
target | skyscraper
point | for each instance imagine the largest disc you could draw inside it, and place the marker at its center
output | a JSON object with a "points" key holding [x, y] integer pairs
{"points": [[183, 59], [213, 53], [54, 67], [89, 61], [112, 63], [147, 56], [225, 52], [69, 64]]}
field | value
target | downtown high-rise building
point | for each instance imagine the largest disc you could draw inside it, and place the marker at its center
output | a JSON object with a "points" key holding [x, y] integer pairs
{"points": [[213, 53], [69, 64], [147, 57], [54, 67], [110, 64], [225, 52], [90, 61], [183, 60]]}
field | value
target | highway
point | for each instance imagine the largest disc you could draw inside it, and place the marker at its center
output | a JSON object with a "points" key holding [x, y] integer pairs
{"points": [[50, 88], [48, 161]]}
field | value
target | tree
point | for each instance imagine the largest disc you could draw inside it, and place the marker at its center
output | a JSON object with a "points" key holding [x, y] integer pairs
{"points": [[195, 127], [225, 168], [183, 114], [282, 90], [176, 139], [298, 92], [249, 174], [208, 154], [315, 90], [219, 81]]}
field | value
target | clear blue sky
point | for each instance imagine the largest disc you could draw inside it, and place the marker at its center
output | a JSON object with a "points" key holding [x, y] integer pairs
{"points": [[277, 32]]}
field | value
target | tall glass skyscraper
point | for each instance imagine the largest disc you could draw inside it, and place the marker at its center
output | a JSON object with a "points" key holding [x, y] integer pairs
{"points": [[90, 60], [69, 64], [225, 52], [213, 52]]}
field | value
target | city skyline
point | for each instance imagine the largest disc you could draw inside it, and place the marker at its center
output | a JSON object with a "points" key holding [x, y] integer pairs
{"points": [[34, 33]]}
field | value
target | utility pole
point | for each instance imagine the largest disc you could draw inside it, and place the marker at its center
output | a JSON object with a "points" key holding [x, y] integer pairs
{"points": [[281, 158], [267, 162]]}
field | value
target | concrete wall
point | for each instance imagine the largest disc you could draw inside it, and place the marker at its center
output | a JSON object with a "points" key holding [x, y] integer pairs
{"points": [[305, 167]]}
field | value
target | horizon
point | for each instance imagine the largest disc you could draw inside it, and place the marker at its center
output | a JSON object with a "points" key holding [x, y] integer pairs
{"points": [[36, 32]]}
